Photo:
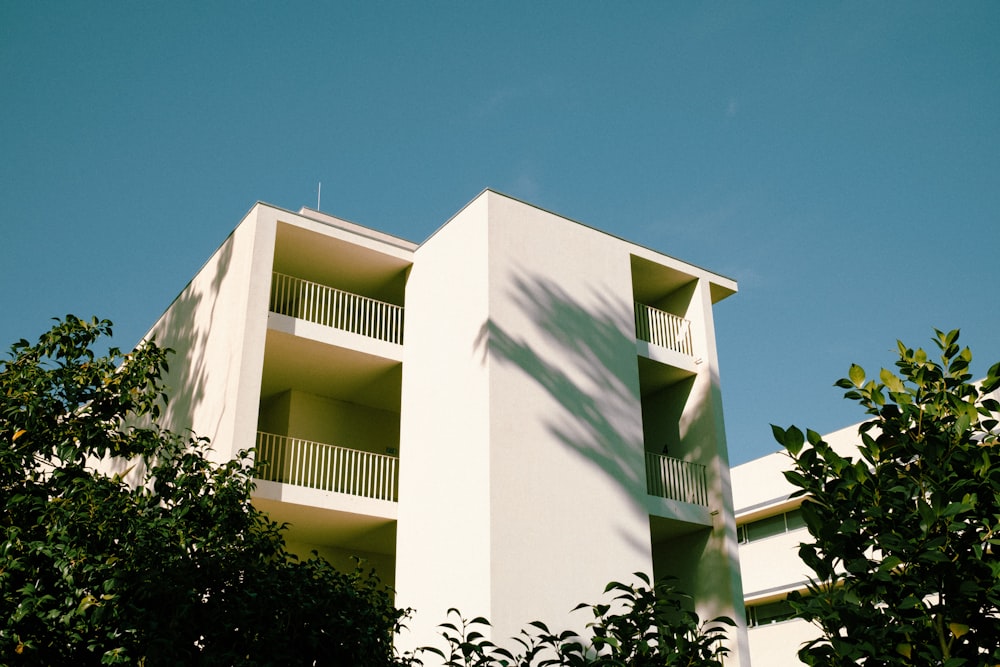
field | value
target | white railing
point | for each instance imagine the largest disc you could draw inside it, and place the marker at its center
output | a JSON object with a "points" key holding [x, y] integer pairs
{"points": [[326, 467], [667, 477], [664, 329], [335, 308]]}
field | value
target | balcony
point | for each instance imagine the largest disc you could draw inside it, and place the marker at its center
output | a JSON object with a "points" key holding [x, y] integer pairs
{"points": [[667, 477], [336, 308], [663, 329], [326, 467]]}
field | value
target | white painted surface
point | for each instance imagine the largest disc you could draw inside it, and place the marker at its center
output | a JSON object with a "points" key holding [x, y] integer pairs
{"points": [[777, 645], [522, 474], [520, 426], [216, 327], [443, 535]]}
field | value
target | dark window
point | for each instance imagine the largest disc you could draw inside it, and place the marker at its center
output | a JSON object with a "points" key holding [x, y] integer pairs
{"points": [[770, 526], [770, 612]]}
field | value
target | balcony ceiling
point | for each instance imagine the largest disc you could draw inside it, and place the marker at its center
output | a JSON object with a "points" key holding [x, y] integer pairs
{"points": [[292, 362], [328, 527], [651, 282], [331, 261], [654, 376]]}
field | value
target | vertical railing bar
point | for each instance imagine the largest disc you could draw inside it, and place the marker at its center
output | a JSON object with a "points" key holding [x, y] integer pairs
{"points": [[339, 488], [363, 325], [364, 317], [325, 315], [305, 460], [349, 473], [292, 450], [331, 472], [365, 477], [362, 468], [305, 309], [353, 326], [331, 467], [287, 298], [313, 302], [319, 477]]}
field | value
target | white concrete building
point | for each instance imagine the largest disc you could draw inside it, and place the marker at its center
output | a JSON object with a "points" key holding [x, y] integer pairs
{"points": [[550, 421]]}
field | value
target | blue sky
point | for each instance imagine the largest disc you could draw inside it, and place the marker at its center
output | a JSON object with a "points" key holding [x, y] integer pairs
{"points": [[840, 160]]}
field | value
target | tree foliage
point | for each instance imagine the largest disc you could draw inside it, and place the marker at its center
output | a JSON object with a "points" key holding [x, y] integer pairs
{"points": [[644, 626], [905, 536], [176, 567], [167, 562]]}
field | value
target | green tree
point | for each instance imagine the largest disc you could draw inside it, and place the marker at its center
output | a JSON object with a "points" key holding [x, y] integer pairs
{"points": [[176, 567], [645, 625], [906, 536]]}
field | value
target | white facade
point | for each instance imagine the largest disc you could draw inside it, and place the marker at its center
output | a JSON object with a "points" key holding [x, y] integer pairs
{"points": [[550, 422]]}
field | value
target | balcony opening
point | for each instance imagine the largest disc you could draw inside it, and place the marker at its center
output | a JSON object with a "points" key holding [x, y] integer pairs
{"points": [[348, 266], [332, 445], [675, 469], [663, 298], [336, 308], [339, 282], [678, 550]]}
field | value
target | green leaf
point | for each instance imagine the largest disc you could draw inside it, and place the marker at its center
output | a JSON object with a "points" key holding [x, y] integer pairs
{"points": [[857, 375], [791, 439], [891, 381]]}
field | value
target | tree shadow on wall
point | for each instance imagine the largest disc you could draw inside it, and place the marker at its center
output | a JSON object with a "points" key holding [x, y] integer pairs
{"points": [[186, 331], [583, 354]]}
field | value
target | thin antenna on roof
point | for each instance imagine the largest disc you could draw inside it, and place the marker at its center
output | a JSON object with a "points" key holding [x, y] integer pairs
{"points": [[319, 191]]}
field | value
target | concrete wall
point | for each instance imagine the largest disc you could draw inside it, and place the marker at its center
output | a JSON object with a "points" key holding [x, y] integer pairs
{"points": [[776, 645], [718, 587], [566, 446], [443, 539], [773, 563], [217, 327], [522, 474]]}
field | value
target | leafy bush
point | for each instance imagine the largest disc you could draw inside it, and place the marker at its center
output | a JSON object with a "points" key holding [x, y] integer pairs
{"points": [[643, 626], [179, 568], [905, 538]]}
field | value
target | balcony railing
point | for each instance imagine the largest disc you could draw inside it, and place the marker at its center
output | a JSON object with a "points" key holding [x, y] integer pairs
{"points": [[320, 466], [664, 329], [335, 308], [667, 477]]}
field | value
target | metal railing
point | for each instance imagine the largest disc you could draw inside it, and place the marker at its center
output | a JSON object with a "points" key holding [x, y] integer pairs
{"points": [[336, 308], [667, 477], [326, 467], [664, 329]]}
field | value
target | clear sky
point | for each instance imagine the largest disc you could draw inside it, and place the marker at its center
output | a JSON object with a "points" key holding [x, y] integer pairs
{"points": [[841, 161]]}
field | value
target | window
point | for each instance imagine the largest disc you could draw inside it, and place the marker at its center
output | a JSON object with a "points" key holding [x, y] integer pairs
{"points": [[770, 612], [770, 526]]}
